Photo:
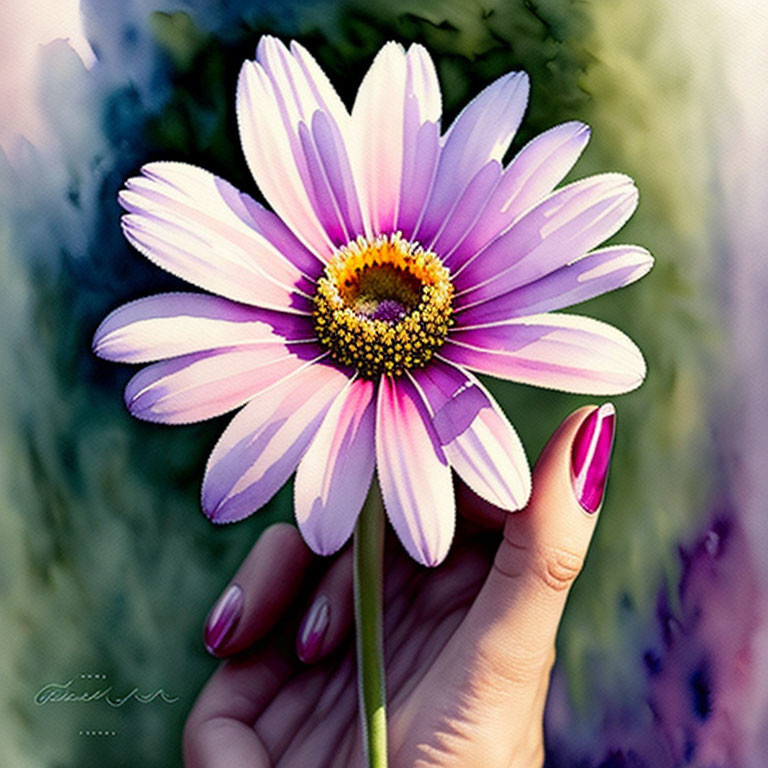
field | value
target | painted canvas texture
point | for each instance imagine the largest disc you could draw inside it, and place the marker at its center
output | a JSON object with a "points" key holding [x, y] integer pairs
{"points": [[107, 565]]}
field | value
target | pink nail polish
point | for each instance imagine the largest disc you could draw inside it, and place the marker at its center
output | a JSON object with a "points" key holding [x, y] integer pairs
{"points": [[313, 627], [223, 618], [591, 456]]}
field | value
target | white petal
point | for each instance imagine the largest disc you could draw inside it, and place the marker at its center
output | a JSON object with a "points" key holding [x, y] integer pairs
{"points": [[557, 351], [414, 475], [202, 385], [204, 259], [421, 138], [377, 118], [173, 324], [202, 229], [295, 133]]}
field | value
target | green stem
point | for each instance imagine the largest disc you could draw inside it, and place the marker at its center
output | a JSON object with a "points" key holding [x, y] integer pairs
{"points": [[369, 572]]}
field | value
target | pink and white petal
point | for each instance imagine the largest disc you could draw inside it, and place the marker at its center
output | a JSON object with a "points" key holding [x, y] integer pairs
{"points": [[295, 132], [596, 273], [414, 474], [422, 85], [421, 138], [322, 89], [378, 119], [219, 213], [335, 474], [332, 132], [476, 436], [298, 98], [275, 158], [202, 385], [204, 260], [173, 324], [480, 134], [533, 173], [264, 443], [556, 351], [558, 230]]}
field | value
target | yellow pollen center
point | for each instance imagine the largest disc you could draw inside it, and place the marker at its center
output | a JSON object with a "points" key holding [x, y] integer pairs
{"points": [[383, 305]]}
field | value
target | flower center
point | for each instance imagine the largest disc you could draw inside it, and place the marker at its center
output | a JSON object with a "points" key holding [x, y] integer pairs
{"points": [[383, 305]]}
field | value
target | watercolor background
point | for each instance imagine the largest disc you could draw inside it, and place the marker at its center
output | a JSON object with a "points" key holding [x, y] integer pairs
{"points": [[107, 565]]}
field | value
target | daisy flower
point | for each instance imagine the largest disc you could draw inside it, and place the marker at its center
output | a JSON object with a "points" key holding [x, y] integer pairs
{"points": [[348, 321]]}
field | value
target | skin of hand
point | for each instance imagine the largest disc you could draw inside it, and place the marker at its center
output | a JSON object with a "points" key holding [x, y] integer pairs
{"points": [[469, 646]]}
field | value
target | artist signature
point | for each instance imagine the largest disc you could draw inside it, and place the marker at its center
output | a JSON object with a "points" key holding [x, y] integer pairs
{"points": [[71, 692]]}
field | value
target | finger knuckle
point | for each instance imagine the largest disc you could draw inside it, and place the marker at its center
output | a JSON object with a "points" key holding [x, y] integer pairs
{"points": [[497, 668], [557, 567]]}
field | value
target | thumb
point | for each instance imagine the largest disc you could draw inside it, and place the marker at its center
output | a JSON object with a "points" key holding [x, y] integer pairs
{"points": [[514, 620]]}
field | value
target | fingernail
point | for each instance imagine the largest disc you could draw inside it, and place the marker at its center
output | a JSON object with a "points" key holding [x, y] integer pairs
{"points": [[591, 456], [313, 627], [223, 618]]}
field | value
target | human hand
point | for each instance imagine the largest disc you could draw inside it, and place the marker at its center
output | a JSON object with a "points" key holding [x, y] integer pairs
{"points": [[469, 646]]}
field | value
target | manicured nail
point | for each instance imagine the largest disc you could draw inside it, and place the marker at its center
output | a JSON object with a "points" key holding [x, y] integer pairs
{"points": [[223, 618], [591, 456], [313, 627]]}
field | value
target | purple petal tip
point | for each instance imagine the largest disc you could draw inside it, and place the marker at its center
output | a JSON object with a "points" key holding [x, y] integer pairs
{"points": [[215, 513]]}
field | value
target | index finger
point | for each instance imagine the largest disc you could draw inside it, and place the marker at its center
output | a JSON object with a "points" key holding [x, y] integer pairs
{"points": [[260, 592]]}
